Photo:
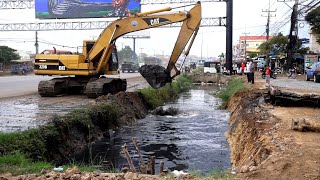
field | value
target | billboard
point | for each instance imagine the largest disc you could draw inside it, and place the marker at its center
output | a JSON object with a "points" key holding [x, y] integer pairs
{"points": [[66, 9]]}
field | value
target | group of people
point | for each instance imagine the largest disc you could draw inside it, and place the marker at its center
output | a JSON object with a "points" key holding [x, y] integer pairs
{"points": [[246, 68]]}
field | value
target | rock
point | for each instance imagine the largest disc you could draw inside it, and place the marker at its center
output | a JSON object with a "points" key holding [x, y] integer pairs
{"points": [[131, 175], [86, 177], [164, 112], [244, 169]]}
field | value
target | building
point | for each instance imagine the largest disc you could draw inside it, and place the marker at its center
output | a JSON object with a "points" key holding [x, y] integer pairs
{"points": [[249, 44], [314, 45]]}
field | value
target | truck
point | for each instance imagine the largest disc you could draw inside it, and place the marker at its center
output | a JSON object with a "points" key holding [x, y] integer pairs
{"points": [[85, 73], [129, 67]]}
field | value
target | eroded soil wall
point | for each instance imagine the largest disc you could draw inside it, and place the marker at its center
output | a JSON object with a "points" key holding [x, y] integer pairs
{"points": [[250, 130]]}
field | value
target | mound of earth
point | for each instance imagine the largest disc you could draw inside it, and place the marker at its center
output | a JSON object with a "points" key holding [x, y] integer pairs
{"points": [[130, 105]]}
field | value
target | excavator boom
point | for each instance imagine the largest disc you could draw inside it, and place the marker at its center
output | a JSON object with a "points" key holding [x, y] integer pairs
{"points": [[86, 71], [156, 76]]}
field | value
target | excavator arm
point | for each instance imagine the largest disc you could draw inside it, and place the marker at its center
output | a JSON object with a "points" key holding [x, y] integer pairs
{"points": [[156, 76]]}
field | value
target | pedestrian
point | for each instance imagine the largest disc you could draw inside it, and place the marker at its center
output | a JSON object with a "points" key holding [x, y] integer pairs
{"points": [[243, 65], [234, 69], [252, 68], [247, 70], [268, 73]]}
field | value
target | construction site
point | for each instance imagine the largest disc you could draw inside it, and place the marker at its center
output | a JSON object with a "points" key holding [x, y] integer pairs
{"points": [[99, 111]]}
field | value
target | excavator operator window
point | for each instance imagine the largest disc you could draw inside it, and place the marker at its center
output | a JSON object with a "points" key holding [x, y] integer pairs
{"points": [[89, 46], [113, 62]]}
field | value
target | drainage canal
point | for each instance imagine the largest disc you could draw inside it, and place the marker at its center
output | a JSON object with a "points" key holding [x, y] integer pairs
{"points": [[192, 140]]}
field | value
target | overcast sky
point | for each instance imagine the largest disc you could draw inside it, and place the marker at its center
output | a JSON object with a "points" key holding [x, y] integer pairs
{"points": [[211, 41]]}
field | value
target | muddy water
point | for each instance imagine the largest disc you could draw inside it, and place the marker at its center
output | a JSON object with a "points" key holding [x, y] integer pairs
{"points": [[25, 112], [192, 140], [29, 111]]}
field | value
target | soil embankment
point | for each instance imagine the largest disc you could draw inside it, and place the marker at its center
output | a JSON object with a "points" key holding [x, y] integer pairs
{"points": [[262, 142]]}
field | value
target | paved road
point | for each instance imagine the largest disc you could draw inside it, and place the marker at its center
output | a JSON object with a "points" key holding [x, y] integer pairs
{"points": [[19, 85], [299, 84], [25, 85]]}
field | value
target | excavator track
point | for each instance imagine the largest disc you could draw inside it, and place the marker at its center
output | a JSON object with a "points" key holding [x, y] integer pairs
{"points": [[103, 86], [51, 88]]}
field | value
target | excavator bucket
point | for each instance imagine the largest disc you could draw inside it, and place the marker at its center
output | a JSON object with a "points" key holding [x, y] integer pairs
{"points": [[157, 76]]}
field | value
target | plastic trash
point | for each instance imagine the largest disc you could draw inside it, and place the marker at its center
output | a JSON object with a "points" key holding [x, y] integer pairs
{"points": [[178, 174], [58, 169]]}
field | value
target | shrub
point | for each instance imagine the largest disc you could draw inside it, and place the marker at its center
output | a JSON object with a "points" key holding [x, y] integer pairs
{"points": [[233, 86]]}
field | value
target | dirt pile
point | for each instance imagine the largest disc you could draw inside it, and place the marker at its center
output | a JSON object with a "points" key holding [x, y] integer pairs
{"points": [[262, 142], [130, 104]]}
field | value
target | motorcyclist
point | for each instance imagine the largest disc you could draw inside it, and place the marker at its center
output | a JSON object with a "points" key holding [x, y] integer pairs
{"points": [[292, 71]]}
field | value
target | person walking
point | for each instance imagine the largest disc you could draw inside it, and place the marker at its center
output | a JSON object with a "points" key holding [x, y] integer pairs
{"points": [[243, 65], [268, 73], [247, 70], [251, 74]]}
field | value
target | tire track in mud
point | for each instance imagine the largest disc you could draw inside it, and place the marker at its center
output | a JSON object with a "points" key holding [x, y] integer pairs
{"points": [[29, 111]]}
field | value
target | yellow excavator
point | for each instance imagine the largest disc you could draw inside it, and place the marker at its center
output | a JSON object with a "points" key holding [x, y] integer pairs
{"points": [[84, 73]]}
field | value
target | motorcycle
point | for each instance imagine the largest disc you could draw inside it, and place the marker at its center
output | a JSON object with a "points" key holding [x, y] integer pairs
{"points": [[272, 75], [292, 73]]}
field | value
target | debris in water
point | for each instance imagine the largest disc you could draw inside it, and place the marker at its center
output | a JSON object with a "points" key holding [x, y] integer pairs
{"points": [[160, 111], [157, 76]]}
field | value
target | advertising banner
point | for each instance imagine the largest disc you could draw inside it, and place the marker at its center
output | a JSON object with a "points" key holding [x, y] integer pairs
{"points": [[309, 60], [70, 9]]}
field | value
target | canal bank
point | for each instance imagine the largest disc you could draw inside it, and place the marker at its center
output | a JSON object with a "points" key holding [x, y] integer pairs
{"points": [[263, 141], [68, 134]]}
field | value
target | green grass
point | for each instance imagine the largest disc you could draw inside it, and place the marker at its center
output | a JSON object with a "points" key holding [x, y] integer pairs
{"points": [[17, 163], [157, 97], [233, 86]]}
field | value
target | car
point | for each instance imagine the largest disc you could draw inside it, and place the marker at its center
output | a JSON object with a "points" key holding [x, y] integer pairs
{"points": [[313, 72]]}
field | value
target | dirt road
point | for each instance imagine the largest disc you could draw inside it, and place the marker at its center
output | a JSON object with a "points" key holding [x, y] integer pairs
{"points": [[22, 108]]}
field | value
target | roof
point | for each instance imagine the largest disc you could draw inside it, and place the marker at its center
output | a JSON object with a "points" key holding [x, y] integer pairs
{"points": [[254, 38]]}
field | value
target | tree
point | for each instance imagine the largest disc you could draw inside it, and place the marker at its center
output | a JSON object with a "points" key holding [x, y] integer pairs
{"points": [[7, 54], [275, 46], [313, 18], [221, 56], [126, 54]]}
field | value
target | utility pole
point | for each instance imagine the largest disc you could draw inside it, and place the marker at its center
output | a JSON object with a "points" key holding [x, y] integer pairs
{"points": [[229, 26], [134, 50], [293, 35], [245, 43], [201, 44], [37, 44], [93, 37], [269, 15]]}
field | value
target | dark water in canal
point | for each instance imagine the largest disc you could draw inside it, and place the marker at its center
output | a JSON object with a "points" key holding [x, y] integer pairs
{"points": [[192, 140]]}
